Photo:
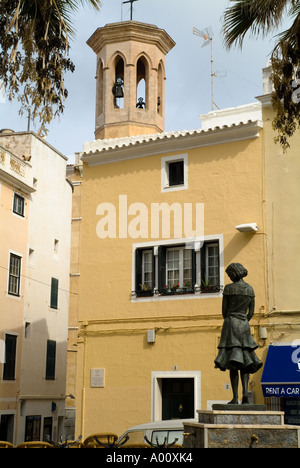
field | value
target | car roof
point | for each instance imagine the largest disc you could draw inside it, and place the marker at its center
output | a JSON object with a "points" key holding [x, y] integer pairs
{"points": [[166, 424]]}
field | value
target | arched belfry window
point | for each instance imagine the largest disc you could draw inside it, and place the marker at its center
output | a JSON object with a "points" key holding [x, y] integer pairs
{"points": [[160, 77], [100, 88], [142, 83], [118, 88]]}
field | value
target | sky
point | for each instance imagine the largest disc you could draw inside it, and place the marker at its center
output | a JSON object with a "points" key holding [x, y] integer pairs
{"points": [[188, 89]]}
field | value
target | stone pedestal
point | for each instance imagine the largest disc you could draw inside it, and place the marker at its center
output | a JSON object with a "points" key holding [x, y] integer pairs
{"points": [[241, 427]]}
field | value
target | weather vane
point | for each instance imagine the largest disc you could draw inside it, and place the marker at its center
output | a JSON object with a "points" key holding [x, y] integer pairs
{"points": [[131, 6]]}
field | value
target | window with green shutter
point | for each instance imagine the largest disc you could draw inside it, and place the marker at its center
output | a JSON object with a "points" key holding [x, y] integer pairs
{"points": [[54, 293], [50, 360], [9, 367]]}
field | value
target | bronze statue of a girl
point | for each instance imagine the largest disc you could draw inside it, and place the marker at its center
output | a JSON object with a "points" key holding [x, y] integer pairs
{"points": [[237, 346]]}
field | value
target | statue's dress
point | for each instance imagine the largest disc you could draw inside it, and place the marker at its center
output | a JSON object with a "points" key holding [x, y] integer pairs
{"points": [[237, 346]]}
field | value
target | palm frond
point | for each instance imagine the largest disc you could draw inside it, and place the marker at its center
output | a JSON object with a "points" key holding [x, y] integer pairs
{"points": [[292, 35], [254, 16], [59, 12]]}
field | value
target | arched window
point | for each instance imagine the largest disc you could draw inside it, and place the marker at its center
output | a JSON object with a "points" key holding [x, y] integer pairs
{"points": [[118, 88], [142, 83], [160, 89], [100, 88]]}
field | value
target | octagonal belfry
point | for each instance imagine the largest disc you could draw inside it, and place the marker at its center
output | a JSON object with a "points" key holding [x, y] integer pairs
{"points": [[130, 90]]}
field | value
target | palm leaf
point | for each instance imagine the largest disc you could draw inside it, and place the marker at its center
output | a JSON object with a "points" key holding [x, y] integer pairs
{"points": [[255, 16], [58, 12], [292, 35]]}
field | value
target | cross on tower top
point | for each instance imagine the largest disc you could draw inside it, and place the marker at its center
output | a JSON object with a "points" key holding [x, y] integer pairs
{"points": [[131, 6]]}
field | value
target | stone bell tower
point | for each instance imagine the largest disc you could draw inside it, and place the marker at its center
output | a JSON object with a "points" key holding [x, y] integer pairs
{"points": [[130, 96]]}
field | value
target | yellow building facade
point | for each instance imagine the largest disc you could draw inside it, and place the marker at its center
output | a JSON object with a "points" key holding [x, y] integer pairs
{"points": [[163, 215], [114, 323]]}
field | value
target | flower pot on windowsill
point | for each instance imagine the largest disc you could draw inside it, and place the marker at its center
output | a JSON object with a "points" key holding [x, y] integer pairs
{"points": [[175, 291], [208, 287], [146, 293], [168, 292], [187, 290], [211, 289]]}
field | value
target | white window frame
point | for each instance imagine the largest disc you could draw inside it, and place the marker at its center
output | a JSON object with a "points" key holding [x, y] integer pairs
{"points": [[16, 254], [156, 397], [189, 243], [181, 264], [212, 244], [143, 267], [165, 186], [19, 195]]}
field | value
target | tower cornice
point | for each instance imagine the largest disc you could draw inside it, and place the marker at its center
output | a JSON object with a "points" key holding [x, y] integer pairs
{"points": [[133, 31]]}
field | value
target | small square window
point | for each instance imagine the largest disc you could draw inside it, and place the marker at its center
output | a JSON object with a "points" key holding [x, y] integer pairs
{"points": [[176, 173], [19, 204]]}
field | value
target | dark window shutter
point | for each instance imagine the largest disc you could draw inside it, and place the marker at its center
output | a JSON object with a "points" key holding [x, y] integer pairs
{"points": [[138, 269], [50, 360], [54, 293], [153, 270], [194, 279], [10, 357], [203, 263], [162, 259]]}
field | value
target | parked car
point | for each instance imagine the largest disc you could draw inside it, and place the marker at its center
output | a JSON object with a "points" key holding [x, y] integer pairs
{"points": [[157, 432]]}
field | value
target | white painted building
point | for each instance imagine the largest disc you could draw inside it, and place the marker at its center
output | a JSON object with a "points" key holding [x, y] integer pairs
{"points": [[44, 290]]}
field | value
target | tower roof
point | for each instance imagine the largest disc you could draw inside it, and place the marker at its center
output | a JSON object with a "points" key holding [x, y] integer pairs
{"points": [[130, 30]]}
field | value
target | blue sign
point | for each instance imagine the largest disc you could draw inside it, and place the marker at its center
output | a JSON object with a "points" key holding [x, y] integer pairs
{"points": [[281, 375]]}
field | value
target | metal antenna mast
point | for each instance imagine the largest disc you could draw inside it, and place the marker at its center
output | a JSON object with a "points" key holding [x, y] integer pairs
{"points": [[207, 34]]}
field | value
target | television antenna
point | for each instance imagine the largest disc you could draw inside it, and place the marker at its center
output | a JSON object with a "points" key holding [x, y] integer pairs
{"points": [[207, 34]]}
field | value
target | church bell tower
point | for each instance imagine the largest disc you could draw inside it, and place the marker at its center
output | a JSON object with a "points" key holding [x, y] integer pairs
{"points": [[130, 79]]}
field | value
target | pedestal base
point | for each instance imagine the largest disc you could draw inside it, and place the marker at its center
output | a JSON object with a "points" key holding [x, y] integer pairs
{"points": [[219, 407], [239, 427]]}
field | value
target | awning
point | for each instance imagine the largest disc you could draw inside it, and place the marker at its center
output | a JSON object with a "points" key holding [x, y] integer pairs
{"points": [[281, 375]]}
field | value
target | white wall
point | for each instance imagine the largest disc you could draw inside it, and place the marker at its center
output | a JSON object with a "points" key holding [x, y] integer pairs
{"points": [[50, 220]]}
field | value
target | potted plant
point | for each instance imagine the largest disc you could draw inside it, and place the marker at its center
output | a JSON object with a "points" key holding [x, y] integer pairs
{"points": [[169, 290], [187, 287], [144, 291], [208, 287]]}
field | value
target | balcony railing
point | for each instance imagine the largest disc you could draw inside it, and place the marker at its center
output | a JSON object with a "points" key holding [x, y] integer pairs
{"points": [[14, 167]]}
